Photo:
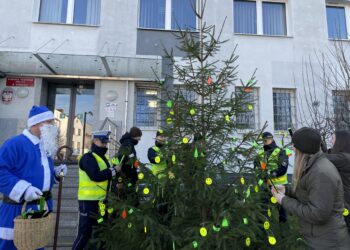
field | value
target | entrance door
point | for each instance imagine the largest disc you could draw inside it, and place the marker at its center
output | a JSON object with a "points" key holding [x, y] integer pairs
{"points": [[73, 104]]}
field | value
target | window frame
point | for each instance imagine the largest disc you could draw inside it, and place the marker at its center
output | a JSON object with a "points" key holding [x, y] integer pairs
{"points": [[256, 110], [347, 21], [168, 18], [69, 18], [158, 109], [293, 104], [338, 107], [259, 18]]}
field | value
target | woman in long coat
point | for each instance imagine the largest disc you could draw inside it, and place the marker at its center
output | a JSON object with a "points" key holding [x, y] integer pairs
{"points": [[316, 196]]}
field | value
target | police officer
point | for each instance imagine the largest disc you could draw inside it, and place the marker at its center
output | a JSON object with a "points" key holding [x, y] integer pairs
{"points": [[274, 160], [95, 173], [155, 156]]}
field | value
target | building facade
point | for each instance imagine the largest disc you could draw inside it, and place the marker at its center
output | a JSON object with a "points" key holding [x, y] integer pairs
{"points": [[98, 60]]}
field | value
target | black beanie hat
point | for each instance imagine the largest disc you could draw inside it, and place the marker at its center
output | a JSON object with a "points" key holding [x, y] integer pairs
{"points": [[266, 135], [135, 132], [307, 140]]}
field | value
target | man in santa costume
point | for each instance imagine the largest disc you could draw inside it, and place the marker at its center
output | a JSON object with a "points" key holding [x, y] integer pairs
{"points": [[26, 170]]}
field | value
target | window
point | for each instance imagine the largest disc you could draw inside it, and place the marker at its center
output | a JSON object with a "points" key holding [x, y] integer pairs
{"points": [[341, 107], [167, 14], [146, 107], [260, 17], [274, 19], [245, 17], [79, 131], [283, 108], [86, 12], [336, 22], [249, 119], [53, 11]]}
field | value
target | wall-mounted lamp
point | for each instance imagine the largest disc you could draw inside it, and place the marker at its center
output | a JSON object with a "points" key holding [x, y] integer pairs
{"points": [[22, 92], [112, 95]]}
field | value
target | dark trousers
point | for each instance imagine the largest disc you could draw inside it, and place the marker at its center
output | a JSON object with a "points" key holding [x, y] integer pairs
{"points": [[88, 211]]}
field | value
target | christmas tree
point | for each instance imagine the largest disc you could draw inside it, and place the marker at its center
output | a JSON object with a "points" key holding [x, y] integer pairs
{"points": [[210, 196]]}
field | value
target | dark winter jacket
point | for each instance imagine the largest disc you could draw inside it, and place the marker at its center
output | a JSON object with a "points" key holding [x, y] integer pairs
{"points": [[342, 162], [89, 164], [318, 201], [127, 150]]}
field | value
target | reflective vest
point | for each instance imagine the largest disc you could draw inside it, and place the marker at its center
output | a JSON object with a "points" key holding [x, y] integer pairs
{"points": [[159, 167], [91, 190], [272, 163]]}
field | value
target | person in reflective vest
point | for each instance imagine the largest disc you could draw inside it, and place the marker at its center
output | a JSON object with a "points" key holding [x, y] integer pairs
{"points": [[155, 156], [95, 173], [274, 160]]}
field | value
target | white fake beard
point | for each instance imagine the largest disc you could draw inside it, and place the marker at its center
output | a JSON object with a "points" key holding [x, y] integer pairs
{"points": [[48, 139]]}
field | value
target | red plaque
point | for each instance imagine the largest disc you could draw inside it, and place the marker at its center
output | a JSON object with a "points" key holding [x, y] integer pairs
{"points": [[20, 82]]}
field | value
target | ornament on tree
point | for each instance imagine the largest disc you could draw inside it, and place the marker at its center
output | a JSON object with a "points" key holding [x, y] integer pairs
{"points": [[110, 210], [169, 120], [227, 118], [216, 229], [256, 188], [247, 241], [185, 140], [171, 112], [210, 81], [157, 159], [192, 111], [124, 214], [273, 200], [145, 229], [245, 221], [169, 104], [247, 90], [140, 176], [208, 181], [346, 212], [269, 212], [146, 191], [272, 240], [173, 158], [224, 222], [260, 182], [266, 225], [203, 231], [194, 244], [195, 154], [242, 180], [250, 107], [129, 225]]}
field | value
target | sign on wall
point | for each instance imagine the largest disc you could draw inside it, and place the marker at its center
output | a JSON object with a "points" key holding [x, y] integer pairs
{"points": [[110, 109], [20, 81]]}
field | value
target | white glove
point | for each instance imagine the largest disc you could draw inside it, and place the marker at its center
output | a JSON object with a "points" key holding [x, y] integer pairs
{"points": [[32, 193], [58, 169]]}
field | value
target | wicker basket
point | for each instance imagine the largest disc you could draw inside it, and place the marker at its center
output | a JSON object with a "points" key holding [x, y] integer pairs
{"points": [[32, 234]]}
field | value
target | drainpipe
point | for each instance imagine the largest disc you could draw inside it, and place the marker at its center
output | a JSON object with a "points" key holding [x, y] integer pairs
{"points": [[126, 104]]}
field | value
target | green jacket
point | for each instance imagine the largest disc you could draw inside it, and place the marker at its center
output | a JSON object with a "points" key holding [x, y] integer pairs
{"points": [[318, 202]]}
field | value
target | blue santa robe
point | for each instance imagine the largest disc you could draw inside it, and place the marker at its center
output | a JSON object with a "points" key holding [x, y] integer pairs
{"points": [[23, 162]]}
